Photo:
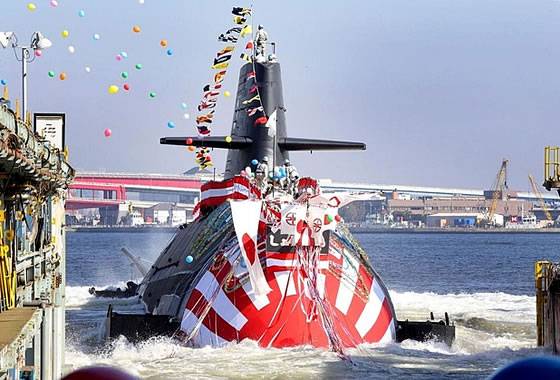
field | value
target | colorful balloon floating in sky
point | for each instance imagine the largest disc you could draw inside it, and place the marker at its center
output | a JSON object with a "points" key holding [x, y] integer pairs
{"points": [[65, 34], [170, 124], [38, 53], [136, 29], [126, 87], [152, 95], [124, 75], [138, 66], [169, 52], [228, 139], [191, 148], [107, 132], [54, 3], [189, 141], [96, 37], [62, 76], [31, 7], [88, 69], [184, 105], [51, 74], [71, 49], [82, 13], [3, 82], [227, 94], [186, 116], [163, 43], [113, 89]]}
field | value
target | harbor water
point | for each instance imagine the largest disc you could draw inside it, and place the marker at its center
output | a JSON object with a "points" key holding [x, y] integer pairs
{"points": [[485, 282]]}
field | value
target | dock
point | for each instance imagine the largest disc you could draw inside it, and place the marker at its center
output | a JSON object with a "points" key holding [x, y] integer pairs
{"points": [[34, 177]]}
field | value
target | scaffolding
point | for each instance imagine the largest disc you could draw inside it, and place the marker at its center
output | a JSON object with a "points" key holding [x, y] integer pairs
{"points": [[551, 167]]}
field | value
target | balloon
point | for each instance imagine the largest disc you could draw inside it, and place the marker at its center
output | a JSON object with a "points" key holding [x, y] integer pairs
{"points": [[140, 1], [227, 94], [186, 116], [65, 34], [113, 89], [138, 66], [124, 74], [31, 7], [107, 132], [136, 29], [54, 3], [228, 139], [191, 148], [184, 106], [170, 124], [51, 74], [62, 76], [249, 45], [38, 53], [124, 54], [189, 141], [118, 57], [169, 52], [88, 69], [338, 218], [71, 49], [163, 43], [96, 36], [126, 86], [82, 13], [189, 259], [3, 82], [254, 162], [152, 94]]}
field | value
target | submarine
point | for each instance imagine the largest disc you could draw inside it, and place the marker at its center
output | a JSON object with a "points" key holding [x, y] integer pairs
{"points": [[267, 258]]}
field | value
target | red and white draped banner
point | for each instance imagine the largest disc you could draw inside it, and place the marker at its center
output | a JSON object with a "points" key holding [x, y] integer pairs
{"points": [[215, 193], [246, 217]]}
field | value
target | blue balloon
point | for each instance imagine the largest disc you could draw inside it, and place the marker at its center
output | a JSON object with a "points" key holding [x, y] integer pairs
{"points": [[189, 259], [169, 52], [254, 162], [543, 367], [170, 124], [82, 13], [3, 82]]}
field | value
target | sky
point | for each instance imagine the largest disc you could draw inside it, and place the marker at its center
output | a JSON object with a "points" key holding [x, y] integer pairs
{"points": [[439, 90]]}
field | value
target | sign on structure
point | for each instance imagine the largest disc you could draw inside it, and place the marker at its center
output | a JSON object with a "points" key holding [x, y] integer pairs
{"points": [[51, 126]]}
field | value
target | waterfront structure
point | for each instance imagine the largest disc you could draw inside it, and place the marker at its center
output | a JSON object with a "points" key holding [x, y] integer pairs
{"points": [[34, 175]]}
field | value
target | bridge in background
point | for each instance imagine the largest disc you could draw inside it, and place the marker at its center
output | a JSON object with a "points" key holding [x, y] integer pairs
{"points": [[115, 194]]}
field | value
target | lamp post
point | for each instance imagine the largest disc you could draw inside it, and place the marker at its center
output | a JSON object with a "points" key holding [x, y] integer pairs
{"points": [[38, 43]]}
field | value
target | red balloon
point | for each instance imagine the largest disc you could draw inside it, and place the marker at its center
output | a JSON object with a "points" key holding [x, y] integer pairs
{"points": [[337, 218], [126, 86], [107, 132], [189, 141], [99, 373]]}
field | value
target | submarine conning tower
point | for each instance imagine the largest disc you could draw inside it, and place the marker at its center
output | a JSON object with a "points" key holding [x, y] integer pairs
{"points": [[251, 137], [269, 89]]}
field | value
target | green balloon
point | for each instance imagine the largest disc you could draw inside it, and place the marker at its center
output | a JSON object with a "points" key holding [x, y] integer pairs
{"points": [[51, 74], [124, 74], [138, 66], [152, 94]]}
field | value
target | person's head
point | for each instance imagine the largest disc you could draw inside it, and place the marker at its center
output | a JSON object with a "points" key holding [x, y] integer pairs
{"points": [[265, 159], [287, 162], [260, 27]]}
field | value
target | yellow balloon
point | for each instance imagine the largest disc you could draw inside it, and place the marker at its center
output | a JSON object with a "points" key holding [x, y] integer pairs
{"points": [[31, 7], [113, 89], [227, 94], [65, 34], [228, 139]]}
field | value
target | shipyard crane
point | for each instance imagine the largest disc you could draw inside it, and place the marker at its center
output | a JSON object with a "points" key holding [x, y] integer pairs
{"points": [[538, 194], [498, 191]]}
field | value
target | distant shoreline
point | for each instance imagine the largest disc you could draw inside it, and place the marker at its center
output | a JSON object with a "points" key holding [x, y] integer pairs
{"points": [[452, 230], [355, 230]]}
